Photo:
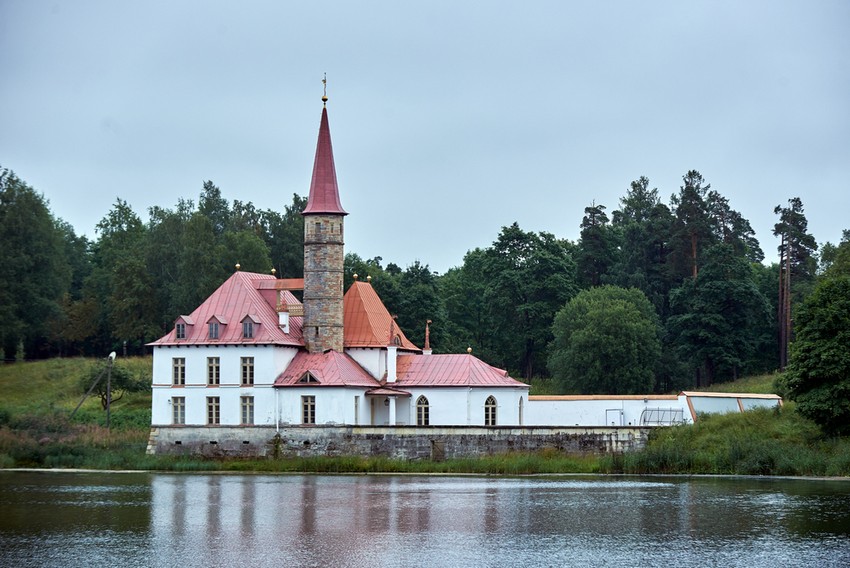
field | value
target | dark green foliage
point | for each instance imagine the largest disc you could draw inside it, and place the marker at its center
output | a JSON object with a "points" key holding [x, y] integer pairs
{"points": [[717, 316], [691, 231], [528, 277], [818, 375], [606, 341], [797, 244], [596, 247], [835, 260], [796, 268], [284, 235], [643, 226], [35, 276], [468, 313]]}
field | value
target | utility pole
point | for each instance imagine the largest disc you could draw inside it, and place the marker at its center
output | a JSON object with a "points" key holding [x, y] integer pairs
{"points": [[109, 386]]}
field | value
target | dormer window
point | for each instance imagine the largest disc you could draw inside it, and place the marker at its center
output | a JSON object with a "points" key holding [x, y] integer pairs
{"points": [[249, 326], [213, 330], [308, 379], [182, 326]]}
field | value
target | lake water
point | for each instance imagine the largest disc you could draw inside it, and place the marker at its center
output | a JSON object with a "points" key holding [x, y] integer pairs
{"points": [[174, 520]]}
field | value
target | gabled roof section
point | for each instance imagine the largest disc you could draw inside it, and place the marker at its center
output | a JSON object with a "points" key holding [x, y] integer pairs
{"points": [[330, 369], [366, 321], [324, 193], [239, 296], [462, 370]]}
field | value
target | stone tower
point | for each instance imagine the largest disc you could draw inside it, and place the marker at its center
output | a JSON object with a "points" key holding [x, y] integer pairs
{"points": [[323, 250]]}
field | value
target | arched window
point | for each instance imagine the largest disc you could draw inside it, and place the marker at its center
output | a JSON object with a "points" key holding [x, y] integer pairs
{"points": [[520, 411], [422, 412], [490, 411]]}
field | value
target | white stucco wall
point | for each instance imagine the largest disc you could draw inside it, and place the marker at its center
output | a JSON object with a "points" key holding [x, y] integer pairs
{"points": [[334, 405], [269, 362], [374, 360], [596, 411], [464, 406], [448, 406]]}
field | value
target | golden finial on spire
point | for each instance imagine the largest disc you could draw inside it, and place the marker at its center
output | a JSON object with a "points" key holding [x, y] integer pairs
{"points": [[325, 90]]}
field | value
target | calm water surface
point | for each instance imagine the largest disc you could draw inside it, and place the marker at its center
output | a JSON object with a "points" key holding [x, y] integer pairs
{"points": [[103, 519]]}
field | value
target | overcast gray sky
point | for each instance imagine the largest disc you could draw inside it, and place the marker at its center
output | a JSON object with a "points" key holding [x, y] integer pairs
{"points": [[449, 119]]}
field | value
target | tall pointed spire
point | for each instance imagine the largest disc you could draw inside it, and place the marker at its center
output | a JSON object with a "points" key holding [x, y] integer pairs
{"points": [[324, 193], [324, 254]]}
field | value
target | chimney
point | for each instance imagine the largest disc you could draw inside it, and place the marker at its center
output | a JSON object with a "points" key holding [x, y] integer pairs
{"points": [[392, 354], [283, 320], [392, 360], [427, 349]]}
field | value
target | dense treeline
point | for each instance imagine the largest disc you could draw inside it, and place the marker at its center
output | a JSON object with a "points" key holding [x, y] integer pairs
{"points": [[681, 297]]}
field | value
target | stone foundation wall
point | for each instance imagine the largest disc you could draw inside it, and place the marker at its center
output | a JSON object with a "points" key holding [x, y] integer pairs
{"points": [[411, 443]]}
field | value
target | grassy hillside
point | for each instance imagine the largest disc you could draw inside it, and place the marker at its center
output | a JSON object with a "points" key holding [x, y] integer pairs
{"points": [[36, 430], [36, 427]]}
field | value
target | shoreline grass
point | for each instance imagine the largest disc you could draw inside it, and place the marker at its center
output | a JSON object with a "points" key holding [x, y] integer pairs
{"points": [[36, 431]]}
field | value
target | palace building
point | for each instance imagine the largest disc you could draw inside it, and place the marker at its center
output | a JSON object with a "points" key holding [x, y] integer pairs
{"points": [[253, 363], [252, 354]]}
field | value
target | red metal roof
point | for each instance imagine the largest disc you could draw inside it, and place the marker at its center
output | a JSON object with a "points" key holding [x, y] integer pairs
{"points": [[324, 193], [461, 370], [239, 296], [329, 369], [366, 321]]}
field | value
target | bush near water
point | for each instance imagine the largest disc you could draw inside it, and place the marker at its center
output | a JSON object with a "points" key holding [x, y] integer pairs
{"points": [[36, 430]]}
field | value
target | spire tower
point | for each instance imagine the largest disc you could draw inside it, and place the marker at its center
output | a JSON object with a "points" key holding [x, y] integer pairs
{"points": [[323, 250]]}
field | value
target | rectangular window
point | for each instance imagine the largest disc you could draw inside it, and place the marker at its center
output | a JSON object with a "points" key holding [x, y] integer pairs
{"points": [[248, 329], [213, 410], [247, 371], [213, 371], [180, 330], [213, 330], [178, 371], [178, 409], [247, 409], [308, 409]]}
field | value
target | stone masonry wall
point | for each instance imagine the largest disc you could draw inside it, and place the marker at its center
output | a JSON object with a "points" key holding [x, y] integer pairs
{"points": [[323, 281], [412, 443]]}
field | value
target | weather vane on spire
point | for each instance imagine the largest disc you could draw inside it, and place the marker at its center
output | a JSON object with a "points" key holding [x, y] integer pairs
{"points": [[325, 89]]}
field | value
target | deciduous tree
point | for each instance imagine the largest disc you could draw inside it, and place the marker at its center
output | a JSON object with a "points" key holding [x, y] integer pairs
{"points": [[818, 375], [606, 341]]}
